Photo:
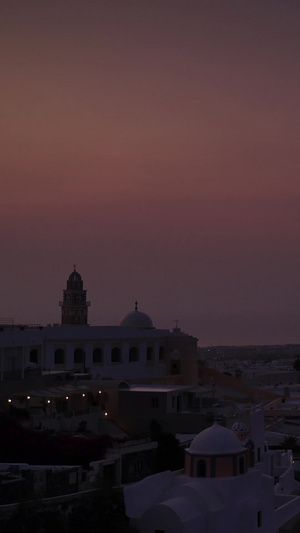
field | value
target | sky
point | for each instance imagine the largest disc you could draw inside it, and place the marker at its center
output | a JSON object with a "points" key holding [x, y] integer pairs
{"points": [[155, 144]]}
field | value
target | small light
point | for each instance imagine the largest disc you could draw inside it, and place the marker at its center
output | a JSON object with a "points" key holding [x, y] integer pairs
{"points": [[48, 401], [100, 391], [9, 400], [105, 414], [83, 396], [28, 397], [67, 397]]}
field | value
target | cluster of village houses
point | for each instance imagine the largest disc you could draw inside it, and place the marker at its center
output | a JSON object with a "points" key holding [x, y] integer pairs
{"points": [[118, 380]]}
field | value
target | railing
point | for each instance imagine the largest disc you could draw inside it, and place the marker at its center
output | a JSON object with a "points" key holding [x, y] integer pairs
{"points": [[74, 303]]}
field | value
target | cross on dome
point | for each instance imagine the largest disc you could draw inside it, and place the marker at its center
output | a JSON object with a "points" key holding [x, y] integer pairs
{"points": [[137, 319]]}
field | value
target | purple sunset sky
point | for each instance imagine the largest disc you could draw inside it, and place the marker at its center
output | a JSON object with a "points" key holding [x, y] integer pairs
{"points": [[155, 143]]}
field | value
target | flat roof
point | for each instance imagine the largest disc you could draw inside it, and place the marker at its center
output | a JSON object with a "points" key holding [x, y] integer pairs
{"points": [[159, 388], [185, 438]]}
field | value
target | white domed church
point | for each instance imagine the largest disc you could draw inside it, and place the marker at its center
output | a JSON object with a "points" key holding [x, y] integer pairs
{"points": [[216, 452], [133, 349], [218, 491]]}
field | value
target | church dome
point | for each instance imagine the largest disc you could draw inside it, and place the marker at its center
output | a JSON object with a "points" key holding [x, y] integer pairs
{"points": [[136, 319], [75, 282], [215, 440], [74, 276]]}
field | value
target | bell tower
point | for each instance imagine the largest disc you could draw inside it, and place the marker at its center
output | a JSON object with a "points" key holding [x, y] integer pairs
{"points": [[74, 307]]}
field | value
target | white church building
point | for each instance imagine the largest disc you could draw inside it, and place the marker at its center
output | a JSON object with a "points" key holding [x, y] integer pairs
{"points": [[223, 488], [133, 349]]}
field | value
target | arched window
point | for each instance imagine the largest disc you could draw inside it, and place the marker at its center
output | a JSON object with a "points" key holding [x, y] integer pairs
{"points": [[161, 353], [149, 353], [133, 354], [201, 468], [59, 356], [242, 465], [116, 355], [78, 356], [33, 356], [97, 355], [123, 385]]}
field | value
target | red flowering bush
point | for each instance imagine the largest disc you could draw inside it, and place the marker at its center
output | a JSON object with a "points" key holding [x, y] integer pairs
{"points": [[21, 445]]}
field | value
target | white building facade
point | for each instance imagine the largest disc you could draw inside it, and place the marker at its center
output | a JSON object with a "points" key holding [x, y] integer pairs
{"points": [[219, 491], [134, 349]]}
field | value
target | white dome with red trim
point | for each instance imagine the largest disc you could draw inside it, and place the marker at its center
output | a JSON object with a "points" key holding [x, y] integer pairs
{"points": [[216, 440]]}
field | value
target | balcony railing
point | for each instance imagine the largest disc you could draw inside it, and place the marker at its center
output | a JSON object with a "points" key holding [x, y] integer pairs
{"points": [[72, 303]]}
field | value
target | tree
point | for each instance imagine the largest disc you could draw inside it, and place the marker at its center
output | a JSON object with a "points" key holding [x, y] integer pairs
{"points": [[169, 453], [290, 442]]}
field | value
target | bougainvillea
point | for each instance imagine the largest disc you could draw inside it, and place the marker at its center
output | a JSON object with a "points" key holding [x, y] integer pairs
{"points": [[22, 445]]}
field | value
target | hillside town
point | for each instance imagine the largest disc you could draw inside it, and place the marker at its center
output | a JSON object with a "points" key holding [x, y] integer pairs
{"points": [[168, 436]]}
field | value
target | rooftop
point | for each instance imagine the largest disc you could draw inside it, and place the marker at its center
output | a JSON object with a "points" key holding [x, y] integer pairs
{"points": [[159, 388]]}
